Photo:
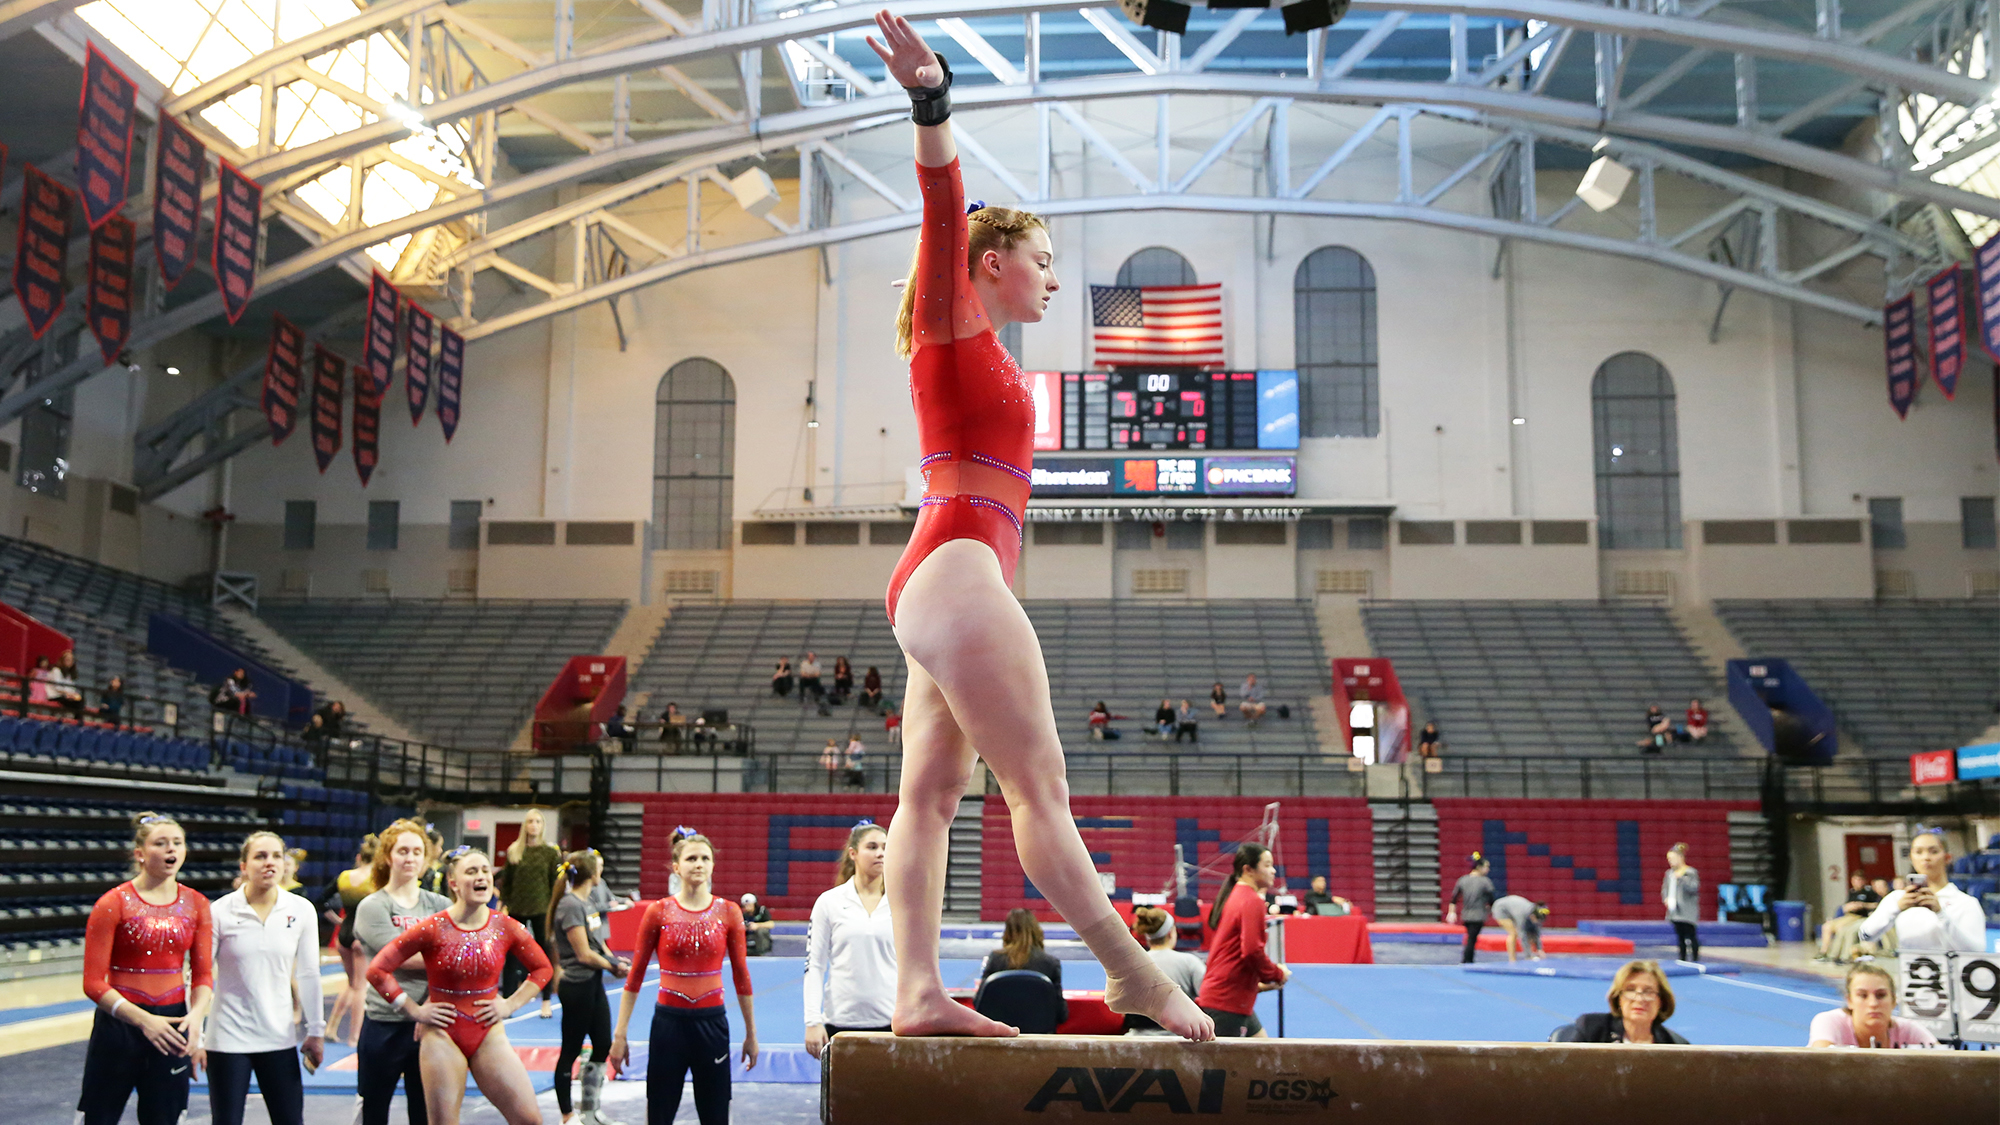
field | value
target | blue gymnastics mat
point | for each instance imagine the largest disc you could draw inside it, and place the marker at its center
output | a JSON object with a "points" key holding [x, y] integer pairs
{"points": [[1589, 968]]}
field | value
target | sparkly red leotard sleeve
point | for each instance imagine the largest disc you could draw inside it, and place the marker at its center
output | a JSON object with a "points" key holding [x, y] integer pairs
{"points": [[975, 412], [139, 949], [691, 945]]}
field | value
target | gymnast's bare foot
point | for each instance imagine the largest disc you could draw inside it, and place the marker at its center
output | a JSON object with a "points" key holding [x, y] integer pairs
{"points": [[1181, 1016], [1162, 1001], [941, 1015]]}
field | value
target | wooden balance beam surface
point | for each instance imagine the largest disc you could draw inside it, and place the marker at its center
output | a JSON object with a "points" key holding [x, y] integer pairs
{"points": [[876, 1079]]}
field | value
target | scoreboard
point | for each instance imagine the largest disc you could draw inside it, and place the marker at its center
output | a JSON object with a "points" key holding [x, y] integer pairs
{"points": [[1136, 409]]}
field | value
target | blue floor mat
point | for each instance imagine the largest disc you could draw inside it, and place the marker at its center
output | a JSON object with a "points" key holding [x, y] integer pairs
{"points": [[1580, 967]]}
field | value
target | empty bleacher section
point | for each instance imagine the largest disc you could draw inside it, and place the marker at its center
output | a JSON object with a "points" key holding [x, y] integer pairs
{"points": [[1587, 859], [1129, 654], [1543, 678], [1900, 676], [458, 673]]}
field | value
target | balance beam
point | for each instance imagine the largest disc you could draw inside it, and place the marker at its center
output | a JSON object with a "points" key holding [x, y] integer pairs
{"points": [[876, 1079]]}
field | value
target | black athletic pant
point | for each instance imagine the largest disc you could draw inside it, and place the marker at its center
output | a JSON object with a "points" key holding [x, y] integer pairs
{"points": [[684, 1041], [119, 1060], [386, 1054], [585, 1013], [515, 972], [1689, 941], [1471, 940], [278, 1078]]}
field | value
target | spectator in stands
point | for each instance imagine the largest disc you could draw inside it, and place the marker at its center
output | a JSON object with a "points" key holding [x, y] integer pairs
{"points": [[1186, 728], [1866, 1019], [1641, 1002], [1252, 704], [829, 760], [1238, 968], [111, 702], [781, 678], [618, 728], [1428, 741], [1022, 947], [525, 884], [1697, 721], [1100, 723], [1883, 944], [1317, 896], [38, 682], [1164, 719], [850, 945], [1929, 913], [233, 694], [1521, 920], [1680, 892], [809, 682], [1476, 892], [1218, 701], [843, 679], [332, 719], [1860, 903], [871, 689], [856, 775], [266, 978], [1659, 730], [672, 725], [404, 855], [1160, 933], [63, 689], [893, 724], [349, 888], [757, 925]]}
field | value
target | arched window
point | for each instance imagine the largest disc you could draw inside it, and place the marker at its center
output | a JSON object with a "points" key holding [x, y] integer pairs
{"points": [[1637, 453], [694, 445], [1333, 321], [1156, 265]]}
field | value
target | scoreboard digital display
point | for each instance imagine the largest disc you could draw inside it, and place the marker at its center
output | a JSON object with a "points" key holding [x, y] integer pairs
{"points": [[1133, 409]]}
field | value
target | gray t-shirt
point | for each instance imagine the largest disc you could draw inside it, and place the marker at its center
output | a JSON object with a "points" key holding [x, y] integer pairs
{"points": [[1184, 969], [600, 905], [1474, 895], [379, 920], [1517, 910], [572, 912]]}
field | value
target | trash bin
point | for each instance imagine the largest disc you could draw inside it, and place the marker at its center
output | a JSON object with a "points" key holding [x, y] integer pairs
{"points": [[1791, 918]]}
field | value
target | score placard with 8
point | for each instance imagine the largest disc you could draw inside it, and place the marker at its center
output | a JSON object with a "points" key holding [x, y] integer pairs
{"points": [[1926, 991]]}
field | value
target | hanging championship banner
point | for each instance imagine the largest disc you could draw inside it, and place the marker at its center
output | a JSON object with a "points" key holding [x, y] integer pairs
{"points": [[284, 375], [451, 375], [238, 202], [378, 353], [367, 425], [417, 361], [1986, 290], [178, 172], [109, 295], [103, 137], [41, 249], [329, 378], [1899, 336], [1947, 330]]}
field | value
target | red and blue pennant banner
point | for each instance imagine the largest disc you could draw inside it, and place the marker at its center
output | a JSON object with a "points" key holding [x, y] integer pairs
{"points": [[1986, 289], [1947, 329], [238, 202], [451, 379], [417, 362], [179, 170], [104, 137], [1899, 335], [329, 379], [367, 426], [41, 249], [385, 312], [284, 378], [109, 296]]}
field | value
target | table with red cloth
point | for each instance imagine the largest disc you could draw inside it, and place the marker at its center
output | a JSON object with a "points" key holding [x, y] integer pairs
{"points": [[1314, 939], [1088, 1013]]}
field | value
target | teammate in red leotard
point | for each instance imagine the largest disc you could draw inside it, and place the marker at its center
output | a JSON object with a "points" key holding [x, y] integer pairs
{"points": [[462, 1026], [978, 686], [692, 931], [140, 936]]}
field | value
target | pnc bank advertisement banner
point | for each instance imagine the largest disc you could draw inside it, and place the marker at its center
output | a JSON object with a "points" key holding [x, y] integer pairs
{"points": [[1165, 476]]}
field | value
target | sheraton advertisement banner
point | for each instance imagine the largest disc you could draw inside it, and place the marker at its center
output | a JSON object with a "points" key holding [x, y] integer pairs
{"points": [[180, 168], [104, 137]]}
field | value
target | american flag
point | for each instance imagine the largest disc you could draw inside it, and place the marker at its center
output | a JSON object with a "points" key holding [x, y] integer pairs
{"points": [[1169, 324]]}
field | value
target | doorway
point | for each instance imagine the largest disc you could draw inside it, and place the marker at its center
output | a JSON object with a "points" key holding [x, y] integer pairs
{"points": [[1873, 856]]}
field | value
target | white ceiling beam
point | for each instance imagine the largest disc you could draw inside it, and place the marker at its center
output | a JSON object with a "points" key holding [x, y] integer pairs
{"points": [[976, 45], [1225, 142], [971, 146], [1114, 30], [1104, 147], [868, 179], [1364, 46], [838, 65], [1215, 44]]}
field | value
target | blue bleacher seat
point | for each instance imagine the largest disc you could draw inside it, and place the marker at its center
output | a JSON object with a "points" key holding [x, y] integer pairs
{"points": [[1756, 891], [1728, 899]]}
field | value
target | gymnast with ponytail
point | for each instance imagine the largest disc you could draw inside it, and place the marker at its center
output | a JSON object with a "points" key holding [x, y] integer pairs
{"points": [[582, 959], [1476, 893], [1238, 966]]}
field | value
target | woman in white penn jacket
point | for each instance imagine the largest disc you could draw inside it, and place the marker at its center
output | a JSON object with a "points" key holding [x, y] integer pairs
{"points": [[850, 947], [1933, 915]]}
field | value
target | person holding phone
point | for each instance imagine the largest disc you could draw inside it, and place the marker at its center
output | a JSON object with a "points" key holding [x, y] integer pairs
{"points": [[1929, 914]]}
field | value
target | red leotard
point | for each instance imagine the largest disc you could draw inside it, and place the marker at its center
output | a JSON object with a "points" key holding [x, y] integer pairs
{"points": [[138, 948], [691, 945], [975, 412], [461, 966]]}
